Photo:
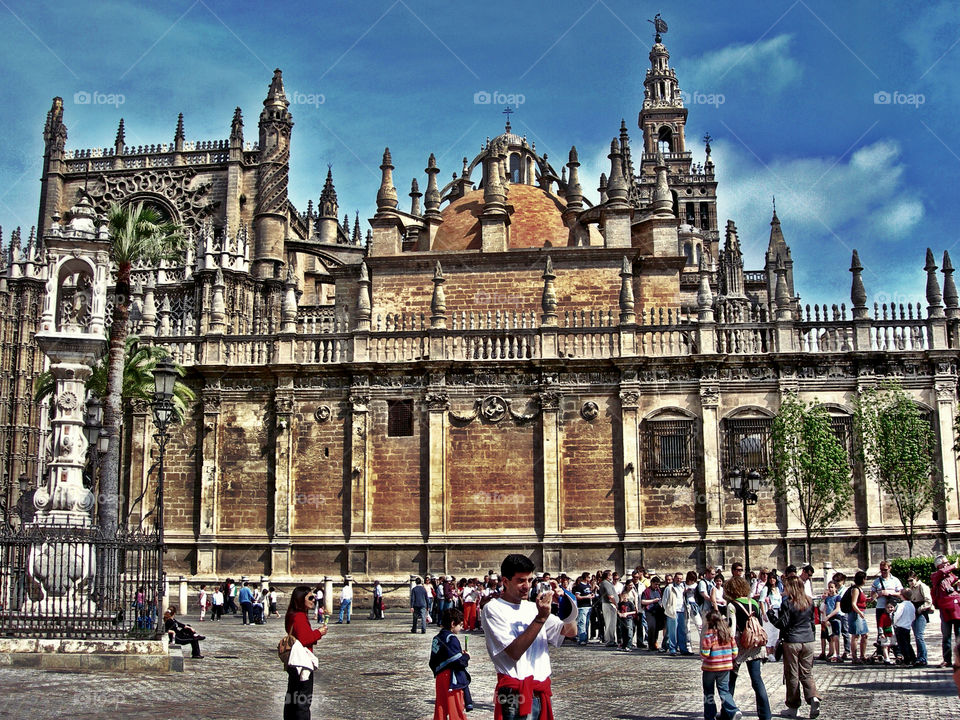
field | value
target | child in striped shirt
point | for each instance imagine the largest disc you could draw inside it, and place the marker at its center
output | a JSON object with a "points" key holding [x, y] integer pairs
{"points": [[718, 650]]}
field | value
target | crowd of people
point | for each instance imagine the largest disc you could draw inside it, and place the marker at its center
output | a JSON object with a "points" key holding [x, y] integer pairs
{"points": [[255, 603], [728, 622]]}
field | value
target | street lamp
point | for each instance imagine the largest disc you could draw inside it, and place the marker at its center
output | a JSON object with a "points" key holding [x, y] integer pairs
{"points": [[164, 377], [745, 486]]}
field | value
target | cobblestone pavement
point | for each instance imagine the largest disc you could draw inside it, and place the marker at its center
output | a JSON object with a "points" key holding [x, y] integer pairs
{"points": [[379, 670]]}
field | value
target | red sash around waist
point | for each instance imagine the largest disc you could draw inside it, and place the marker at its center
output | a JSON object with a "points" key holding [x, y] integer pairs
{"points": [[527, 688]]}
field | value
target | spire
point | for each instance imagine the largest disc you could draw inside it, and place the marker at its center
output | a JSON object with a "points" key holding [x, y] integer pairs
{"points": [[415, 196], [120, 140], [178, 134], [387, 195], [617, 185], [603, 188], [356, 230], [276, 96], [858, 296], [236, 128], [949, 288], [328, 207], [432, 198], [346, 226], [574, 191], [628, 315], [438, 303], [934, 298], [54, 131]]}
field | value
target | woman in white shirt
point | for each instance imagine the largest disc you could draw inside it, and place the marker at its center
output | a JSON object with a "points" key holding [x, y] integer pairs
{"points": [[770, 599]]}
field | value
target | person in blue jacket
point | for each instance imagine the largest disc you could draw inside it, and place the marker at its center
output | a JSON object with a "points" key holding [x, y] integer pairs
{"points": [[449, 664]]}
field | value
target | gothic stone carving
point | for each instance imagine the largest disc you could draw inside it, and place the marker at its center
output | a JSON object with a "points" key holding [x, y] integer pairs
{"points": [[589, 411], [174, 184]]}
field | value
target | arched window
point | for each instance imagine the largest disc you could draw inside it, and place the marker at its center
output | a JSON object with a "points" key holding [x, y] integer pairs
{"points": [[516, 169], [665, 140], [705, 216], [688, 251]]}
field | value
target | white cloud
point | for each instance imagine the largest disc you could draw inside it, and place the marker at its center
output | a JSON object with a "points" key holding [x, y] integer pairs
{"points": [[766, 67]]}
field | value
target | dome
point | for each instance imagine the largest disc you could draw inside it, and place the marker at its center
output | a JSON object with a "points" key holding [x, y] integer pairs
{"points": [[535, 220]]}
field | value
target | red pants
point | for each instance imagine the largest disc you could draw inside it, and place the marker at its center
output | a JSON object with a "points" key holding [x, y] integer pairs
{"points": [[449, 703], [469, 616]]}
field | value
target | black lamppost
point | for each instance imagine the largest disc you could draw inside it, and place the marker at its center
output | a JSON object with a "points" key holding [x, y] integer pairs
{"points": [[164, 376], [745, 487]]}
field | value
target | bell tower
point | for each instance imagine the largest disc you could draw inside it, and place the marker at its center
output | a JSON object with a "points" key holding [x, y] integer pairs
{"points": [[663, 120]]}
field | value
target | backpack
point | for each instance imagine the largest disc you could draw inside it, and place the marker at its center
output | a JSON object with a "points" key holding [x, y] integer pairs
{"points": [[284, 647], [846, 601], [753, 635]]}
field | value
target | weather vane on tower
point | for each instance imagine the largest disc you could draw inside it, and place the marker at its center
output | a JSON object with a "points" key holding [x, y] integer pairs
{"points": [[659, 25]]}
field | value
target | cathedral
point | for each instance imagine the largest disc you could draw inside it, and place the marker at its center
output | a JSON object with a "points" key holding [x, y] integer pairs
{"points": [[496, 364]]}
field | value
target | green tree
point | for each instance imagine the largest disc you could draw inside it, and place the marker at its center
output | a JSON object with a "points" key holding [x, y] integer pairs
{"points": [[896, 445], [810, 469], [138, 234]]}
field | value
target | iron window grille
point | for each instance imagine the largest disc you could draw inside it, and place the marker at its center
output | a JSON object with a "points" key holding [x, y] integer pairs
{"points": [[399, 418], [669, 447], [842, 426], [746, 444]]}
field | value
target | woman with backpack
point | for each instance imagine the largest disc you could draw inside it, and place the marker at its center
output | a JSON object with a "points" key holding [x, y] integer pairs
{"points": [[795, 622], [745, 614], [854, 602], [299, 697]]}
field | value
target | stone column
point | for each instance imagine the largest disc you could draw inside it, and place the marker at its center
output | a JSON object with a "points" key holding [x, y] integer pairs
{"points": [[360, 462], [791, 521], [209, 491], [327, 595], [630, 468], [946, 391], [184, 606], [550, 481], [280, 545], [437, 406], [713, 487]]}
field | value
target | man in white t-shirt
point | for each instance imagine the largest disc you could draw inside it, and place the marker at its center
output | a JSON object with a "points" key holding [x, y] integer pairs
{"points": [[518, 633]]}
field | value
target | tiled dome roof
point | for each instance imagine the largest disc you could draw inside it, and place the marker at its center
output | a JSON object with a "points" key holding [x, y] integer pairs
{"points": [[535, 220]]}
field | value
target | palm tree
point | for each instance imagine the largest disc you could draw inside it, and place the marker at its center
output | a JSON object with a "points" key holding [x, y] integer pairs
{"points": [[138, 234]]}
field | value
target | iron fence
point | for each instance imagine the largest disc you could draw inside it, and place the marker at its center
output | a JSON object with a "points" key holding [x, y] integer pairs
{"points": [[73, 582]]}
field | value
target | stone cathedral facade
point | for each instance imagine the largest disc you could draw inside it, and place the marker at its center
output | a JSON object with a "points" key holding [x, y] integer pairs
{"points": [[497, 364]]}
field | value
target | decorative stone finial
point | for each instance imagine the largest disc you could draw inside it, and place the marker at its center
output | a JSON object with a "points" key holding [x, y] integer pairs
{"points": [[236, 128], [178, 135], [549, 299], [949, 287], [858, 295], [387, 195], [438, 303], [704, 294], [415, 196], [934, 298], [120, 139], [617, 185], [628, 314], [662, 199]]}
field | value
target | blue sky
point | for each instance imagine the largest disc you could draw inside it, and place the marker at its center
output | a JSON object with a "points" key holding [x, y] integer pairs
{"points": [[788, 91]]}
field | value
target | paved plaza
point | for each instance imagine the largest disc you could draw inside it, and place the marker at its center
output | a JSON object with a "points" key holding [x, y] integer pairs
{"points": [[377, 669]]}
